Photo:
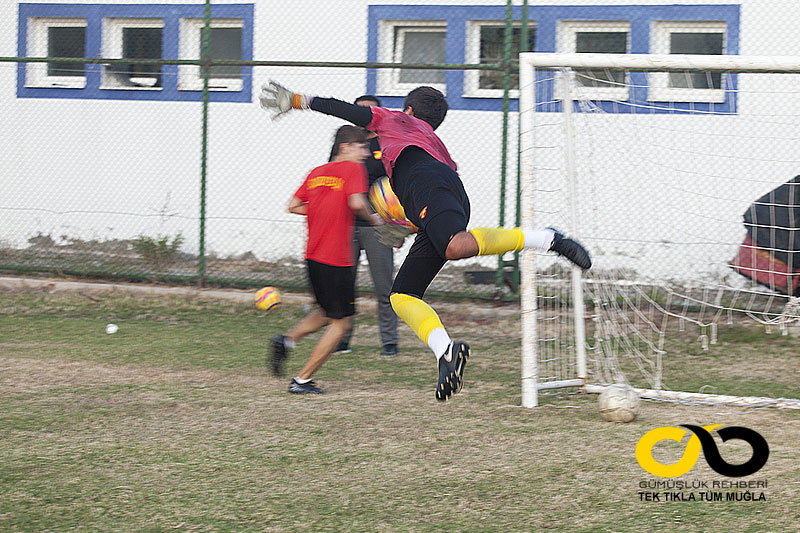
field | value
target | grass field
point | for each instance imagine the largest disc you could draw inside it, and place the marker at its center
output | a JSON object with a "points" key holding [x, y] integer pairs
{"points": [[174, 423]]}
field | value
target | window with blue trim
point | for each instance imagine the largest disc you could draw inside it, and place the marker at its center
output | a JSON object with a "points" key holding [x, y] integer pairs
{"points": [[597, 37], [412, 41], [688, 37], [468, 34], [486, 44], [57, 37], [114, 31]]}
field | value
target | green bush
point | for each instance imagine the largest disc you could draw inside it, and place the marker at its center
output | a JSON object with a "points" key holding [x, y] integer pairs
{"points": [[158, 252]]}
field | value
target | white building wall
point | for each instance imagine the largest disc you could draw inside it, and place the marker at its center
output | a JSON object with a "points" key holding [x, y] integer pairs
{"points": [[93, 169], [100, 170]]}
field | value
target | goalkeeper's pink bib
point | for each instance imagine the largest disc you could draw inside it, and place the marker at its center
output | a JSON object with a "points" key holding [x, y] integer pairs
{"points": [[397, 130]]}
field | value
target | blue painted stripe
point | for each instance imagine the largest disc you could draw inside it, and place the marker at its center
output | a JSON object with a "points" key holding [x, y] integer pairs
{"points": [[171, 14], [545, 20]]}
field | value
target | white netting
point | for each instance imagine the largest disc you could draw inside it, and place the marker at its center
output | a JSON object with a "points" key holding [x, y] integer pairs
{"points": [[658, 193]]}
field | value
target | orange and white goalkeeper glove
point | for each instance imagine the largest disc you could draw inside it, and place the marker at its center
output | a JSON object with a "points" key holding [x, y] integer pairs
{"points": [[278, 100]]}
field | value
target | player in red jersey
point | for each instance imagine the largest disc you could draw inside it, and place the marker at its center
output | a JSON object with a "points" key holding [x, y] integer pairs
{"points": [[425, 180], [328, 197]]}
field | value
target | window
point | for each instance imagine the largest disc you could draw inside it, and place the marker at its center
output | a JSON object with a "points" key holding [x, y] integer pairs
{"points": [[225, 43], [707, 38], [471, 32], [133, 31], [57, 37], [132, 39], [412, 42], [486, 44], [597, 37]]}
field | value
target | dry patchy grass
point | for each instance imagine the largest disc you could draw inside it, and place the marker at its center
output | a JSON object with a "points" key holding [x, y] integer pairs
{"points": [[135, 432]]}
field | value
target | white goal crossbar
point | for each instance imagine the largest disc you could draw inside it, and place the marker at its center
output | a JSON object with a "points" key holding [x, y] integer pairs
{"points": [[663, 62], [529, 64]]}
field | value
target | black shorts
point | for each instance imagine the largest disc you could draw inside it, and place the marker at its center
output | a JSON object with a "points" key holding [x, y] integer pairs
{"points": [[432, 195], [334, 288], [434, 199]]}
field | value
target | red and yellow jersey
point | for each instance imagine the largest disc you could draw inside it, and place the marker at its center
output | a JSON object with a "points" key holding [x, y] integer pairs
{"points": [[330, 220]]}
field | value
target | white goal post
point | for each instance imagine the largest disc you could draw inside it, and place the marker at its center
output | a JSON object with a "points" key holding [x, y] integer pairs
{"points": [[697, 153]]}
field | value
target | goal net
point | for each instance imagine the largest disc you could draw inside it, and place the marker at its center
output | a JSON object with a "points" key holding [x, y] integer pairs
{"points": [[679, 174]]}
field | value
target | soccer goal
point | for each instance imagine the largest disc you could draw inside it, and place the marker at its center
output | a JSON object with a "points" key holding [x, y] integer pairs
{"points": [[680, 174]]}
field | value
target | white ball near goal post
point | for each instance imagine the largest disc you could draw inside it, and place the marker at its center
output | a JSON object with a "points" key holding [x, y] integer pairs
{"points": [[619, 403]]}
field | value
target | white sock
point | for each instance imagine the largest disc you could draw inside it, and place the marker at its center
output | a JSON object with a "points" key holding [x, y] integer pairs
{"points": [[289, 343], [538, 239], [301, 381], [438, 341]]}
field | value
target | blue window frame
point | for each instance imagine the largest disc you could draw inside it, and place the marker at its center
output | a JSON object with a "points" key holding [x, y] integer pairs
{"points": [[169, 18], [545, 19]]}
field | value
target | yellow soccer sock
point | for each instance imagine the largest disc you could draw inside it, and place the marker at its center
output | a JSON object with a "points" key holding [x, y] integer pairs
{"points": [[422, 319], [497, 241]]}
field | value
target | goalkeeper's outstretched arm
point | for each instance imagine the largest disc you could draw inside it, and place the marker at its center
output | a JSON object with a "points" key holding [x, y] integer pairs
{"points": [[280, 100], [356, 114]]}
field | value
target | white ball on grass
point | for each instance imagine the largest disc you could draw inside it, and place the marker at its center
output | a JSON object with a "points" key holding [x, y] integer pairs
{"points": [[619, 403], [111, 329]]}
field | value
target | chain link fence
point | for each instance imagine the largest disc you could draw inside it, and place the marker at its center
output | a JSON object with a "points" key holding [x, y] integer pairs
{"points": [[141, 152], [134, 147]]}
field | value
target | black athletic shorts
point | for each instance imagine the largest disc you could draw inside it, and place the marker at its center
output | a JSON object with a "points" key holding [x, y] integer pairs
{"points": [[434, 199], [334, 288]]}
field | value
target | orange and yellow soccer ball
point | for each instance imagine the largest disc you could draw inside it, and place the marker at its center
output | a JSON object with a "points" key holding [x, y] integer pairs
{"points": [[268, 298], [385, 201]]}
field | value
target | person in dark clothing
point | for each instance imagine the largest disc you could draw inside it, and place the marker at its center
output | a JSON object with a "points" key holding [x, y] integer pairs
{"points": [[424, 177], [770, 253], [379, 256]]}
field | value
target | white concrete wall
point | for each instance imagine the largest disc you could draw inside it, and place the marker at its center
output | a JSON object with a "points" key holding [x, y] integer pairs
{"points": [[102, 170], [91, 169]]}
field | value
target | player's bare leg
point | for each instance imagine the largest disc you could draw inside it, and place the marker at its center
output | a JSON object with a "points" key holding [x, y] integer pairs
{"points": [[325, 346], [281, 344], [461, 246], [302, 384], [310, 324], [497, 241]]}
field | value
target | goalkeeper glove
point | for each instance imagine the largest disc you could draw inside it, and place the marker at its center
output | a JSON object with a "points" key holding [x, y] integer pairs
{"points": [[392, 234], [278, 100]]}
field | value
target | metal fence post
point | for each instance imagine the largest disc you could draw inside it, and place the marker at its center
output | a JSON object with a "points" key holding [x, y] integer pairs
{"points": [[523, 47], [204, 68], [504, 150]]}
